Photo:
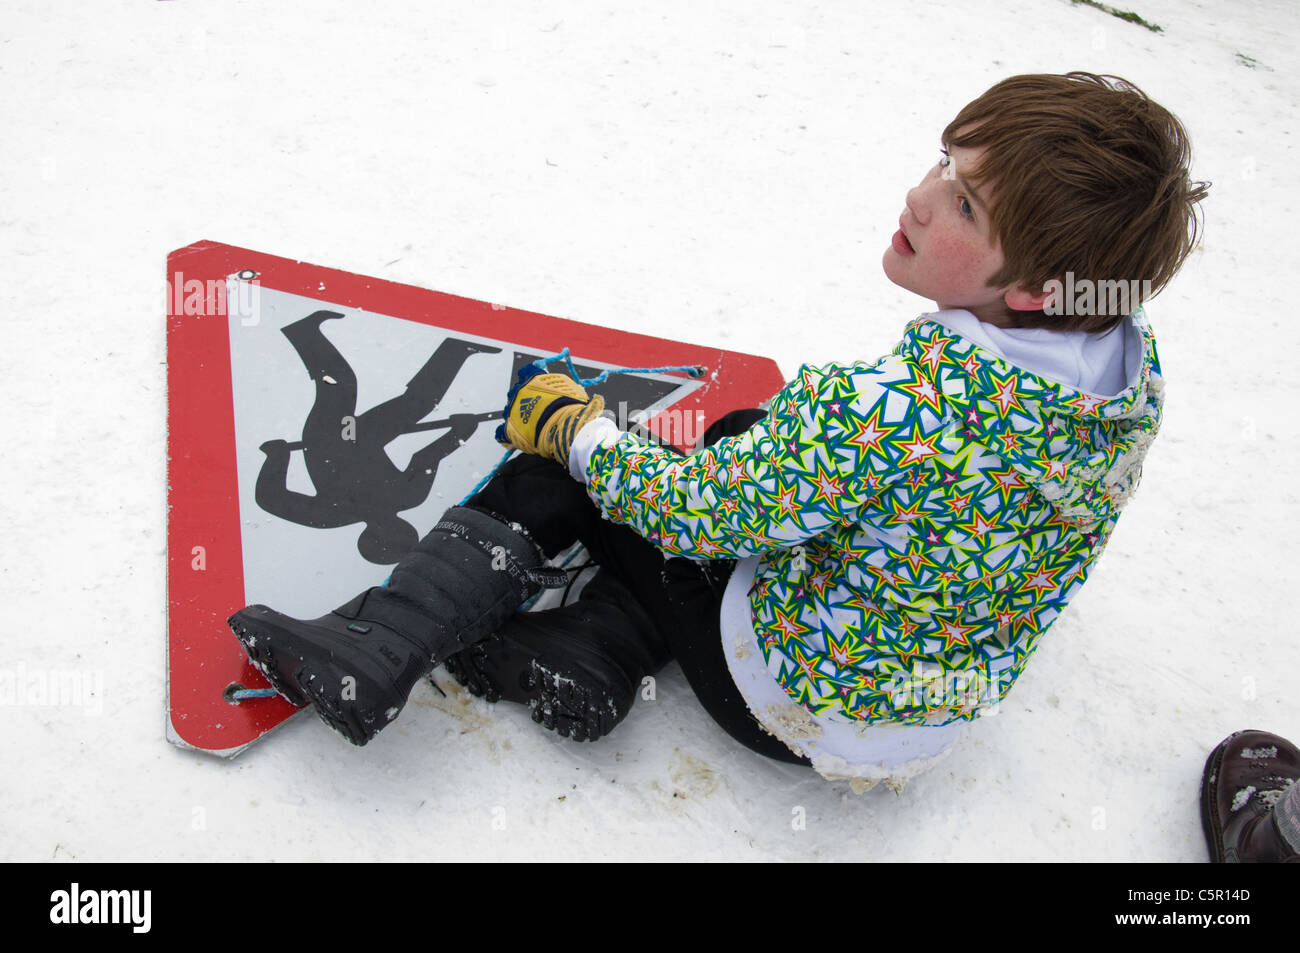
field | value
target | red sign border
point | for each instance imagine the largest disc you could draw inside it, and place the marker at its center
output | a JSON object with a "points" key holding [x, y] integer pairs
{"points": [[204, 548]]}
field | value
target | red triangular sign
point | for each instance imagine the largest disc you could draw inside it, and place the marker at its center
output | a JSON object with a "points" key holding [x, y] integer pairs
{"points": [[320, 422]]}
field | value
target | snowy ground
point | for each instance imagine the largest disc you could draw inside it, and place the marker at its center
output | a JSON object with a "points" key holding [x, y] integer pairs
{"points": [[727, 173]]}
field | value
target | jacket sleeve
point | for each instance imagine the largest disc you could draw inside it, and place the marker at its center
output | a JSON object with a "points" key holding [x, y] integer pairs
{"points": [[810, 465]]}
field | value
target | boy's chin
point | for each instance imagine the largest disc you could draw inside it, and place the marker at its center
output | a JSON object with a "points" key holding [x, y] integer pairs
{"points": [[890, 265]]}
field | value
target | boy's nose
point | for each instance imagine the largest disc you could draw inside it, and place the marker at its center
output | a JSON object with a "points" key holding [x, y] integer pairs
{"points": [[917, 205]]}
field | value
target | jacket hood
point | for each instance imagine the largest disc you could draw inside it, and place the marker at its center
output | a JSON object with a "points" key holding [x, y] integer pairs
{"points": [[1081, 452]]}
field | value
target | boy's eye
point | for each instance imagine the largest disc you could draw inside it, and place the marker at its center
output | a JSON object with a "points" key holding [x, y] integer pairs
{"points": [[945, 163]]}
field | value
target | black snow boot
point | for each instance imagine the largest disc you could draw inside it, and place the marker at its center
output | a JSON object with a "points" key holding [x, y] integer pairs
{"points": [[578, 667], [358, 664]]}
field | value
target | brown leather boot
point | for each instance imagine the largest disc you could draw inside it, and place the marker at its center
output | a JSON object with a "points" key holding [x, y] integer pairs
{"points": [[1245, 776]]}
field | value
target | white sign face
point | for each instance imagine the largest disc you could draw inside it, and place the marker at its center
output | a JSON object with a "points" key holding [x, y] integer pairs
{"points": [[355, 431]]}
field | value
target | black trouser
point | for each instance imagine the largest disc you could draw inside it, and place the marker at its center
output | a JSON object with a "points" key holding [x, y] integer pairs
{"points": [[681, 596]]}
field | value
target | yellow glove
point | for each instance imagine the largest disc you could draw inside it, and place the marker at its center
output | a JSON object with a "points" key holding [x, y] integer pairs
{"points": [[544, 411]]}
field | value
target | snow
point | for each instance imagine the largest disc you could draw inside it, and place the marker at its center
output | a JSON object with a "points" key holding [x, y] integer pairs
{"points": [[1258, 753], [726, 173], [1272, 796]]}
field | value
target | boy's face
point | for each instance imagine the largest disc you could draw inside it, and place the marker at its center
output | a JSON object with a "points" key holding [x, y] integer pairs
{"points": [[942, 249]]}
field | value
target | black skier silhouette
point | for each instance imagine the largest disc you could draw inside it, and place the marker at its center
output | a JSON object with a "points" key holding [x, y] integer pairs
{"points": [[355, 480]]}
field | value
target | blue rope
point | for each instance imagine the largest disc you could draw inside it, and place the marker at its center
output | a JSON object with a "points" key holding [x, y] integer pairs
{"points": [[484, 482], [242, 693], [694, 370]]}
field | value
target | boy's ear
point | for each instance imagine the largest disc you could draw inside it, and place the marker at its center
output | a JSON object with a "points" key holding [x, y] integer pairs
{"points": [[1025, 299]]}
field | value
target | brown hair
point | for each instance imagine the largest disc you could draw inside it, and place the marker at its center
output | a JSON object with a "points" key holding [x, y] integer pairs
{"points": [[1085, 175]]}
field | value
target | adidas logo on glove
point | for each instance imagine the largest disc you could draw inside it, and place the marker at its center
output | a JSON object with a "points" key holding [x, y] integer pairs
{"points": [[526, 407]]}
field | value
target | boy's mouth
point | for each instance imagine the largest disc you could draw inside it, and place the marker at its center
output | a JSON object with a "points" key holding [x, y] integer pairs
{"points": [[902, 245]]}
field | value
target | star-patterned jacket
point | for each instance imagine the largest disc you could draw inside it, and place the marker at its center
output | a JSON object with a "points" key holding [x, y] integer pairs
{"points": [[921, 520]]}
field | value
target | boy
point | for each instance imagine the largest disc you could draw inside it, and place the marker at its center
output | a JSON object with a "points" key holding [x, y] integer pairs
{"points": [[873, 558]]}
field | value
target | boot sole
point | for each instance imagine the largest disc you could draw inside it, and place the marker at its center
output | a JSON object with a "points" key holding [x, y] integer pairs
{"points": [[560, 697], [298, 683], [1209, 801], [256, 642]]}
